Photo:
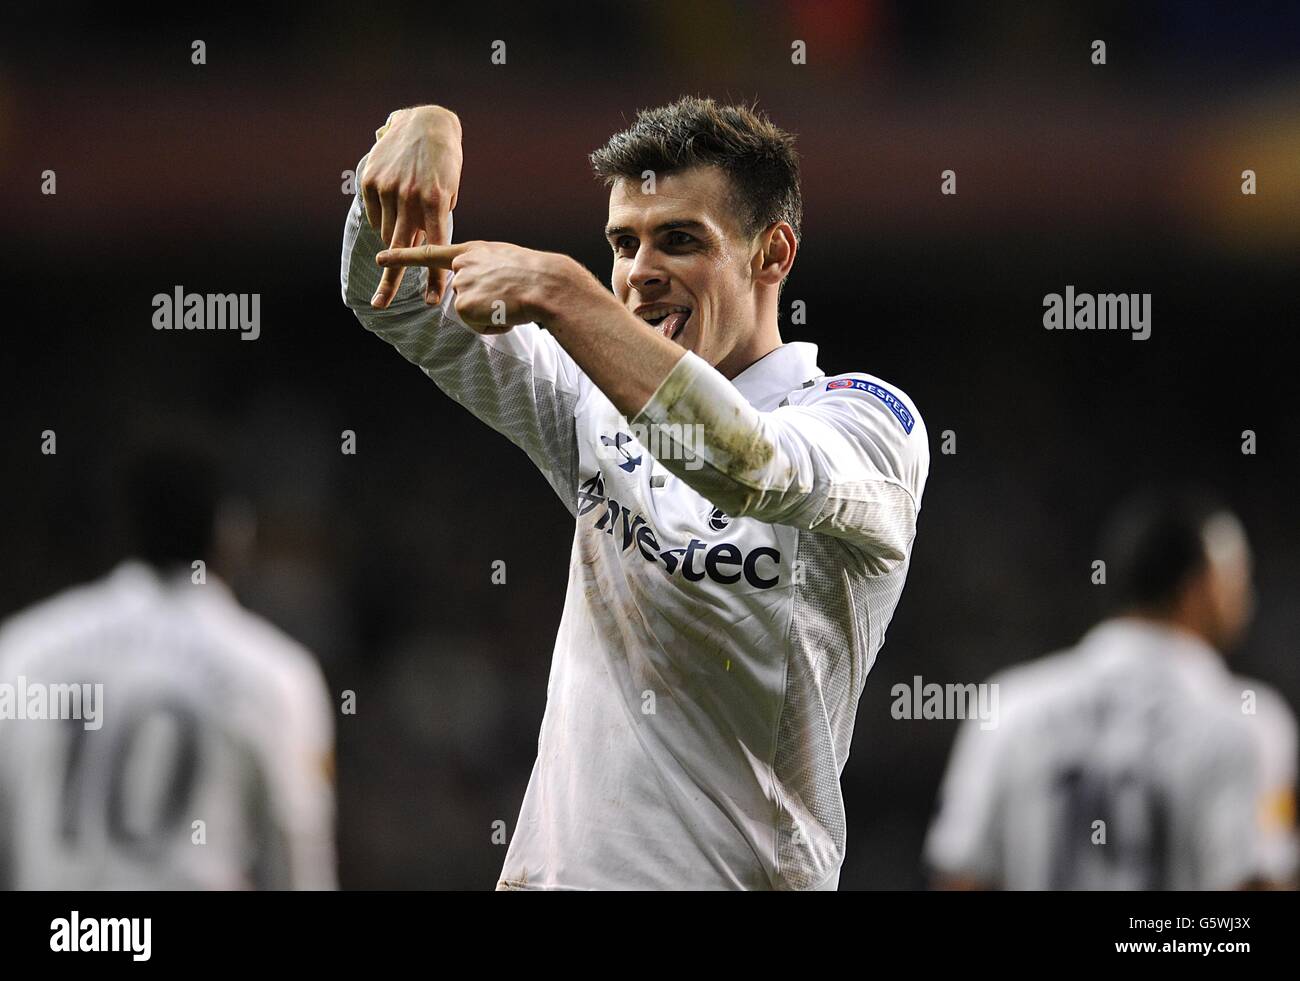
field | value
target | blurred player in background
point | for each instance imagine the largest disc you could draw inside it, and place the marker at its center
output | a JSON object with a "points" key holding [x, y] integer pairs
{"points": [[1134, 760], [209, 763]]}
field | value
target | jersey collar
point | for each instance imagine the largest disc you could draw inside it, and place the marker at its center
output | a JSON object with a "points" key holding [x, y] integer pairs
{"points": [[136, 576], [1146, 638], [778, 372]]}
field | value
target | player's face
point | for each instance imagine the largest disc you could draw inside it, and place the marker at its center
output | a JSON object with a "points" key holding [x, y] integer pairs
{"points": [[681, 262]]}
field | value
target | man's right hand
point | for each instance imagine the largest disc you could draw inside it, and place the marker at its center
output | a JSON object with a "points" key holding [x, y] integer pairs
{"points": [[409, 188]]}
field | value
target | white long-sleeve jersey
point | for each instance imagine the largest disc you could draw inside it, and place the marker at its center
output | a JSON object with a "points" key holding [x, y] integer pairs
{"points": [[197, 753], [724, 605], [1134, 760]]}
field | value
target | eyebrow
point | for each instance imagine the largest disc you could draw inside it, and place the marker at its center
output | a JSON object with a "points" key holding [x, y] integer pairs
{"points": [[613, 231]]}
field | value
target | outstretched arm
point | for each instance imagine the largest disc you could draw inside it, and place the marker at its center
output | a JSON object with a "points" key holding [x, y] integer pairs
{"points": [[520, 383], [850, 462]]}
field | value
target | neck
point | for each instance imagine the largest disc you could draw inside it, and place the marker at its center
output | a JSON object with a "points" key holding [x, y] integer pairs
{"points": [[758, 345], [1174, 621]]}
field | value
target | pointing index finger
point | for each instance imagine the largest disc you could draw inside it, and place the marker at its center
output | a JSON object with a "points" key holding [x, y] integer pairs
{"points": [[434, 256]]}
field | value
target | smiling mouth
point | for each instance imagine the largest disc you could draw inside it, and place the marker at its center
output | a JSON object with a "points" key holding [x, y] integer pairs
{"points": [[671, 323]]}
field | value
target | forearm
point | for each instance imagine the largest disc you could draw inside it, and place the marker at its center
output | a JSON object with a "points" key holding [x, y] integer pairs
{"points": [[837, 467], [616, 350], [741, 459], [732, 459], [519, 383]]}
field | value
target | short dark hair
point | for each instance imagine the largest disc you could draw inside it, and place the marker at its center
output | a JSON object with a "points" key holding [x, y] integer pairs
{"points": [[171, 490], [757, 156], [1153, 544]]}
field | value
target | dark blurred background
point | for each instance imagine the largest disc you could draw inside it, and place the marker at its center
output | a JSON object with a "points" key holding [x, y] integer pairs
{"points": [[227, 177]]}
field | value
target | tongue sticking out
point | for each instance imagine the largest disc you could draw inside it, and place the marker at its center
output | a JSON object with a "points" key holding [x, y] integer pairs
{"points": [[672, 323]]}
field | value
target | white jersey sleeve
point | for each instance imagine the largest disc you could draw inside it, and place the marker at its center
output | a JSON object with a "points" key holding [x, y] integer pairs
{"points": [[849, 460], [964, 841], [521, 383], [297, 757], [1223, 837], [1273, 729]]}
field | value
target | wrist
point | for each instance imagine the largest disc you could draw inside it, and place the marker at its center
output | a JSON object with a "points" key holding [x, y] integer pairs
{"points": [[431, 118], [569, 288], [440, 117]]}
